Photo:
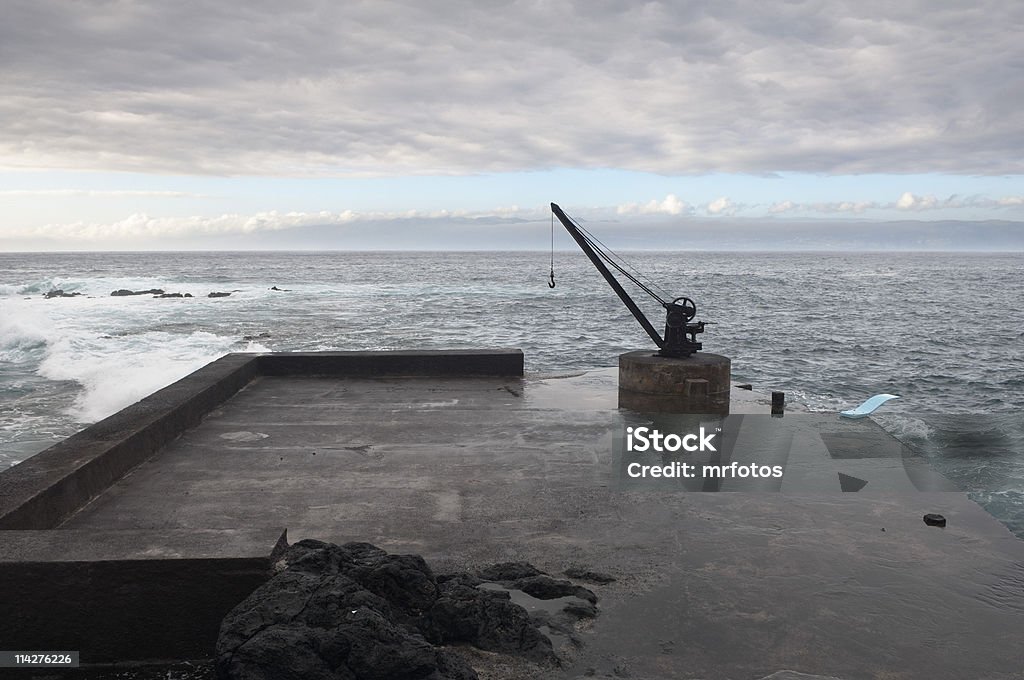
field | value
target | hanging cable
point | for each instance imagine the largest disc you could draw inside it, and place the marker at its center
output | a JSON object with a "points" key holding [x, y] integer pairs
{"points": [[606, 254], [551, 280], [623, 261], [609, 256]]}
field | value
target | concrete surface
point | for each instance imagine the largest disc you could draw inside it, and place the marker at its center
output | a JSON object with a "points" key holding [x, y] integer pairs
{"points": [[40, 492], [470, 471]]}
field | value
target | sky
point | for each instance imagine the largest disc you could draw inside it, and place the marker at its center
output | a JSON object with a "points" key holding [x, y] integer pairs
{"points": [[453, 125]]}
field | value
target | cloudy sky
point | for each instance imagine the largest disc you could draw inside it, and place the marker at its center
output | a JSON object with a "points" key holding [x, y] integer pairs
{"points": [[322, 124]]}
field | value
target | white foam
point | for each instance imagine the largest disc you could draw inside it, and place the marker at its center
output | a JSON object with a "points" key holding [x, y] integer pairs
{"points": [[116, 372], [24, 332], [903, 427]]}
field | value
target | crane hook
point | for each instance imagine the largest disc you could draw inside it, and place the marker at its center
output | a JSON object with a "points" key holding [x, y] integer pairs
{"points": [[551, 283]]}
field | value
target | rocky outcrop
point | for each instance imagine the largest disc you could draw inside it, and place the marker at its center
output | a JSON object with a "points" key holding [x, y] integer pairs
{"points": [[121, 292], [583, 574], [217, 295], [59, 292], [355, 611], [486, 619]]}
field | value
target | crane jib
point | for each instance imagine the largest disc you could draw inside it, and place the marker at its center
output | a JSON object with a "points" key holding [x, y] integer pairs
{"points": [[680, 338]]}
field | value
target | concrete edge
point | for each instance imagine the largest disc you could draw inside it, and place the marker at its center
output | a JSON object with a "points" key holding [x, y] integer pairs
{"points": [[135, 595], [426, 363], [47, 488]]}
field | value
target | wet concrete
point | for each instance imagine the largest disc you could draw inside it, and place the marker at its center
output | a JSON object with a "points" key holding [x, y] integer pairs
{"points": [[472, 471]]}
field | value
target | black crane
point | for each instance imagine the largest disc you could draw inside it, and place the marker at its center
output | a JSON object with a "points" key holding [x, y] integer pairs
{"points": [[680, 338]]}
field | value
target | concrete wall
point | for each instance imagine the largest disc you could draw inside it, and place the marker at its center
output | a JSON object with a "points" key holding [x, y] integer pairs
{"points": [[143, 595]]}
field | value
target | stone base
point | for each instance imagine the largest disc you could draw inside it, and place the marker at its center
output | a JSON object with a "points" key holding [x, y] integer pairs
{"points": [[699, 383]]}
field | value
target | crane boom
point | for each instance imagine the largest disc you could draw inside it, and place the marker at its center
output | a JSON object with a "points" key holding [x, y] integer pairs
{"points": [[680, 335]]}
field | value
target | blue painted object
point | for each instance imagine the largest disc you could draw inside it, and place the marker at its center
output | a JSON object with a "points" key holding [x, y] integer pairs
{"points": [[868, 406]]}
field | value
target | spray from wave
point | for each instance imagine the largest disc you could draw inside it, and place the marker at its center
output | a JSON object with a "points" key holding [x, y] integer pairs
{"points": [[108, 362], [114, 373], [23, 335]]}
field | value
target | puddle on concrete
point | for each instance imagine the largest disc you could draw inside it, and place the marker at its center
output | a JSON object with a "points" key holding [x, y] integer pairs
{"points": [[534, 605], [244, 436]]}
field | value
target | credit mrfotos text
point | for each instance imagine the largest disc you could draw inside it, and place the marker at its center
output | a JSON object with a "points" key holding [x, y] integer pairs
{"points": [[652, 440]]}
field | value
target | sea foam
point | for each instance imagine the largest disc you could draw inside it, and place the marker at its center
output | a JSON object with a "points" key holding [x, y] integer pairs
{"points": [[24, 333], [116, 372]]}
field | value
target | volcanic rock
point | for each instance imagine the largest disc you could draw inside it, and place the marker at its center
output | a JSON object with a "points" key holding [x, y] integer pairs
{"points": [[121, 292], [355, 611], [544, 587], [486, 619]]}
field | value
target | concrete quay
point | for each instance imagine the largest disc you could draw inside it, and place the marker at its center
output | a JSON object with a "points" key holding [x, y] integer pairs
{"points": [[131, 539]]}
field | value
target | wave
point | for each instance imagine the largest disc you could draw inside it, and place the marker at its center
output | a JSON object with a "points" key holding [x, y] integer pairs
{"points": [[24, 333], [102, 349], [116, 372]]}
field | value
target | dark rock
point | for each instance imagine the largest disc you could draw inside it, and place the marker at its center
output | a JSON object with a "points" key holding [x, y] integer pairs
{"points": [[509, 571], [934, 520], [216, 295], [451, 665], [580, 610], [124, 291], [310, 622], [486, 619], [403, 580], [169, 295], [188, 294], [256, 337], [59, 292], [582, 574], [283, 290], [547, 588], [745, 386], [355, 611], [462, 577]]}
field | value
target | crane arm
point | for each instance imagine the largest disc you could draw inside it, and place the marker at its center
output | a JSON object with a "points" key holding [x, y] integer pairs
{"points": [[585, 246], [680, 336]]}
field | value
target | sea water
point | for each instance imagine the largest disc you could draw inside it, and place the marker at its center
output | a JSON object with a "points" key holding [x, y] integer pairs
{"points": [[944, 331]]}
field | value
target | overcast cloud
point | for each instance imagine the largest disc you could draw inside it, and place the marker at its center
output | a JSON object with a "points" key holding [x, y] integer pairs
{"points": [[412, 87]]}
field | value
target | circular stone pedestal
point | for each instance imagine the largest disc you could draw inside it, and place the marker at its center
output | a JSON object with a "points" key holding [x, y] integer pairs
{"points": [[697, 384]]}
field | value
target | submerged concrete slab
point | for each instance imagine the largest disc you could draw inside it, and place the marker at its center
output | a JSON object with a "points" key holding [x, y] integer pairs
{"points": [[472, 470]]}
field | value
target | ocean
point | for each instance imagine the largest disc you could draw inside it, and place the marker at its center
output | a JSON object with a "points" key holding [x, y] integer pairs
{"points": [[945, 331]]}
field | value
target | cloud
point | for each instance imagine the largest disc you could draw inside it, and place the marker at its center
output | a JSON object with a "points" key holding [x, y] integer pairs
{"points": [[96, 193], [141, 226], [907, 201], [671, 205], [399, 87], [721, 206]]}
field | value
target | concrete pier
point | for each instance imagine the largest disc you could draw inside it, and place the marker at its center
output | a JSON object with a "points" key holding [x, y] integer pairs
{"points": [[486, 466], [699, 383]]}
